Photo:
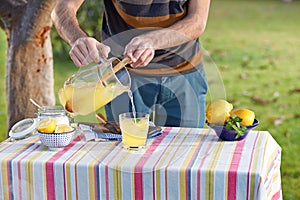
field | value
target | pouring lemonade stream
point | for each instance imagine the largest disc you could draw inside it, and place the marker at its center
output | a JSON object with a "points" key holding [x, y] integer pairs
{"points": [[93, 87]]}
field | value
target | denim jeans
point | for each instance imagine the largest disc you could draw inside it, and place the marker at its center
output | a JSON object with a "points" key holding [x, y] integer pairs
{"points": [[171, 100]]}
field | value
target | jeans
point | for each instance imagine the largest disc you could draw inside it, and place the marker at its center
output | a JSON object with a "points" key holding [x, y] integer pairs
{"points": [[170, 100]]}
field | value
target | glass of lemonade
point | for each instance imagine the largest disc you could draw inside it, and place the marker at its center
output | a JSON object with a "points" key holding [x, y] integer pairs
{"points": [[134, 128]]}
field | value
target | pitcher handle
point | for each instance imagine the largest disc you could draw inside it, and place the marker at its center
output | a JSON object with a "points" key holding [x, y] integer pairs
{"points": [[115, 69]]}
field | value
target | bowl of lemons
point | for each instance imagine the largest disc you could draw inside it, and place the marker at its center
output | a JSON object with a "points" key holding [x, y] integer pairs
{"points": [[229, 124], [55, 136]]}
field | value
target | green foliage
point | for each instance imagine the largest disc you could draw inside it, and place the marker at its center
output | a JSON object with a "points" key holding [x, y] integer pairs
{"points": [[234, 123], [90, 19]]}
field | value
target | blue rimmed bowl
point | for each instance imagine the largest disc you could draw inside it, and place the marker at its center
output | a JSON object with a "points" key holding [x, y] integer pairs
{"points": [[229, 134]]}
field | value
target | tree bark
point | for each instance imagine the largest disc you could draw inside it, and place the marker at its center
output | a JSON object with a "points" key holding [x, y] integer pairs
{"points": [[29, 66]]}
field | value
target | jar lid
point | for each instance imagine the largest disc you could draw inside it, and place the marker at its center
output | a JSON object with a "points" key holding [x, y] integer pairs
{"points": [[51, 109], [23, 128]]}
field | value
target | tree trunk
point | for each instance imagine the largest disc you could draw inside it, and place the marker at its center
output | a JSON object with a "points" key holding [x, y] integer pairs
{"points": [[29, 66]]}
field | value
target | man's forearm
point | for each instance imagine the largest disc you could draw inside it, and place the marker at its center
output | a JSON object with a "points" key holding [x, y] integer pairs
{"points": [[65, 21]]}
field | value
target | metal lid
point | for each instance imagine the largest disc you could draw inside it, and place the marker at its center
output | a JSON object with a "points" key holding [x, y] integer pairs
{"points": [[23, 128]]}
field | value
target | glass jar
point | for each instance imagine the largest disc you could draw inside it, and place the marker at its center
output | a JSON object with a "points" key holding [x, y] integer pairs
{"points": [[56, 112]]}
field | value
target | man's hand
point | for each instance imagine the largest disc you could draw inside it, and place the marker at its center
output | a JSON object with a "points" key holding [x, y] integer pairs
{"points": [[140, 50], [86, 50]]}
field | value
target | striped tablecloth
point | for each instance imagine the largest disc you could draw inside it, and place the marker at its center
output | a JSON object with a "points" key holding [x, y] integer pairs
{"points": [[183, 163]]}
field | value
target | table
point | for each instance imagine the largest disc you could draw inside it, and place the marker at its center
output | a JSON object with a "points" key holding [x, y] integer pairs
{"points": [[183, 163]]}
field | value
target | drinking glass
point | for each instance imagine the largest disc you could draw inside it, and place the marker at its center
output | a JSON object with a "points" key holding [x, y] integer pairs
{"points": [[134, 128]]}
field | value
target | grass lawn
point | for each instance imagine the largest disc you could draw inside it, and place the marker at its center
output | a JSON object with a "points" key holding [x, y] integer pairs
{"points": [[2, 85], [255, 46]]}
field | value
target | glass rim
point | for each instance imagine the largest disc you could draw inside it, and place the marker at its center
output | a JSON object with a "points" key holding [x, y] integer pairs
{"points": [[138, 114], [44, 108]]}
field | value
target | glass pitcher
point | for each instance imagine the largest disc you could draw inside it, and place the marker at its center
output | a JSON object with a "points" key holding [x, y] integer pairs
{"points": [[93, 87]]}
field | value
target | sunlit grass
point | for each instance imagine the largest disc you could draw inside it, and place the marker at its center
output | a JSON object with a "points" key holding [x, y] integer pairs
{"points": [[255, 45], [2, 85]]}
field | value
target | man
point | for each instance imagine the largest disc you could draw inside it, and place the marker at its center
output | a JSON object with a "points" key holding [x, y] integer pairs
{"points": [[161, 39]]}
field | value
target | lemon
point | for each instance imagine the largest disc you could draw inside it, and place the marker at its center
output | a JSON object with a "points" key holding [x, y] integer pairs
{"points": [[62, 128], [47, 125], [218, 111], [247, 116]]}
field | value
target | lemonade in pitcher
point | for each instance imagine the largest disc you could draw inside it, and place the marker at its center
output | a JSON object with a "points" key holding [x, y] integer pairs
{"points": [[84, 92]]}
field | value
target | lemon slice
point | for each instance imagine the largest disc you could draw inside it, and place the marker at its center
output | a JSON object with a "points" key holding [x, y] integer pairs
{"points": [[47, 125], [62, 128]]}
